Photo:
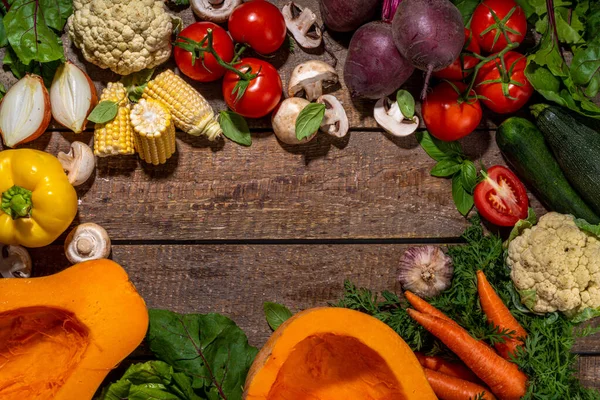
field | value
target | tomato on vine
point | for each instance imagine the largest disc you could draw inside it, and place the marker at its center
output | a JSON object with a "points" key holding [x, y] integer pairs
{"points": [[448, 114], [256, 96], [502, 83], [202, 67], [258, 24], [493, 19], [462, 66]]}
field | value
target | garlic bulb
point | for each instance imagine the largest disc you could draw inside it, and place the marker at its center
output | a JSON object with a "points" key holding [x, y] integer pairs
{"points": [[73, 96], [426, 271]]}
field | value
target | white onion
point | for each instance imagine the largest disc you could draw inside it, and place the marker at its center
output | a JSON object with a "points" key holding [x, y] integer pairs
{"points": [[72, 96]]}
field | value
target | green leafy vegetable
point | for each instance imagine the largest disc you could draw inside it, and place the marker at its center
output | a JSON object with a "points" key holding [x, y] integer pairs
{"points": [[151, 380], [446, 168], [2, 91], [276, 314], [178, 3], [235, 128], [104, 112], [521, 225], [587, 227], [136, 83], [210, 348], [3, 38], [462, 198], [466, 8], [309, 120], [406, 103]]}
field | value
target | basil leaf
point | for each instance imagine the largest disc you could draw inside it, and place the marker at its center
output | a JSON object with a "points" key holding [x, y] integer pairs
{"points": [[235, 128], [468, 175], [406, 103], [276, 314], [210, 348], [104, 112], [29, 25], [437, 149], [309, 120], [445, 168], [462, 198]]}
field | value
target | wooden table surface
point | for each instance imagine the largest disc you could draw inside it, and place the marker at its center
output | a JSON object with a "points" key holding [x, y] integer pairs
{"points": [[223, 228]]}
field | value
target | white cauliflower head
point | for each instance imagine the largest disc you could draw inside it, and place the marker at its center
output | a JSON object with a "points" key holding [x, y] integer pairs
{"points": [[123, 35], [556, 266]]}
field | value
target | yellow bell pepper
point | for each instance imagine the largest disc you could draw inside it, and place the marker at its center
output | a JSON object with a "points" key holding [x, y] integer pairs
{"points": [[37, 201]]}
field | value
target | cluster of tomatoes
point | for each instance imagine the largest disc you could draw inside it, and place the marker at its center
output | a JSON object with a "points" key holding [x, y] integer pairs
{"points": [[500, 83], [257, 24]]}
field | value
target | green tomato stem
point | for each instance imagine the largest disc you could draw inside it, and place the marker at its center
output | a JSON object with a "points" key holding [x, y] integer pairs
{"points": [[16, 202]]}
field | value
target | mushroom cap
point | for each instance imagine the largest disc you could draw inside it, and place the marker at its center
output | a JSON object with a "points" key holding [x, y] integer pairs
{"points": [[389, 117], [284, 120], [335, 121], [16, 263], [79, 162], [87, 242], [310, 77], [299, 21], [214, 11]]}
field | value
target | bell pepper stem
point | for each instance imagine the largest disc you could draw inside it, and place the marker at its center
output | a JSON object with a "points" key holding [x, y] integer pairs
{"points": [[16, 202]]}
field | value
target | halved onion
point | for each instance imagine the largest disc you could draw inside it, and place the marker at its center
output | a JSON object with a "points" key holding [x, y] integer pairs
{"points": [[25, 111], [73, 96]]}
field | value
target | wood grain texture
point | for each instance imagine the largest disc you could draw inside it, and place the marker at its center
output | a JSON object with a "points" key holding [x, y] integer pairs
{"points": [[368, 186], [589, 371]]}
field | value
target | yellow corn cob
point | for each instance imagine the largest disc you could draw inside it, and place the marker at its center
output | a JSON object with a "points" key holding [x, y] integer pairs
{"points": [[189, 109], [154, 131], [115, 137]]}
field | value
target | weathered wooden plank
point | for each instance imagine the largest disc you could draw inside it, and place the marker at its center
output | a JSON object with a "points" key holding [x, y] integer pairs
{"points": [[367, 186], [237, 279], [589, 371]]}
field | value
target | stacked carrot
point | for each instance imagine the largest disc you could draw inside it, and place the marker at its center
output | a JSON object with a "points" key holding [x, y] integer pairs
{"points": [[482, 365]]}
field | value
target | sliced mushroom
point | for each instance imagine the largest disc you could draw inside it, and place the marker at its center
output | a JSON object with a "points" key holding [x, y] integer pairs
{"points": [[214, 10], [15, 262], [79, 163], [87, 242], [335, 121], [310, 77], [284, 120], [299, 22], [389, 117]]}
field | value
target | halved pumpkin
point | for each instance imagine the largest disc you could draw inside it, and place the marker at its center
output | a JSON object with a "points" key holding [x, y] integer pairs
{"points": [[60, 335], [335, 353]]}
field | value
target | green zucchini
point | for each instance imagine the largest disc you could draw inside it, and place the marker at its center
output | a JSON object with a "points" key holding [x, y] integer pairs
{"points": [[576, 147], [523, 146]]}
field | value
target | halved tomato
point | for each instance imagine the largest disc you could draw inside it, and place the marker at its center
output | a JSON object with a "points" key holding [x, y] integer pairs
{"points": [[501, 197]]}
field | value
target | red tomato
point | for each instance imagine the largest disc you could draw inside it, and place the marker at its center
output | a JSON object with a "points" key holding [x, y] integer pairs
{"points": [[456, 70], [494, 41], [209, 70], [501, 198], [446, 116], [263, 93], [259, 24], [494, 83]]}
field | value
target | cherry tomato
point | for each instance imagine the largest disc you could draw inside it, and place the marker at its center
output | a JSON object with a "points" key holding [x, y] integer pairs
{"points": [[501, 198], [446, 116], [263, 93], [504, 91], [259, 24], [457, 70], [209, 70], [494, 41]]}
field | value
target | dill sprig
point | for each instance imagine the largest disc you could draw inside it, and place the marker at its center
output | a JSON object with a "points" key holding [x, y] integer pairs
{"points": [[546, 357]]}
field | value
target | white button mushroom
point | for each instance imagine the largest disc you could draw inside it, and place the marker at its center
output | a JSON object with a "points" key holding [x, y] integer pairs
{"points": [[389, 117], [310, 77], [15, 262], [216, 11], [284, 120], [87, 242], [299, 22], [79, 163], [335, 121]]}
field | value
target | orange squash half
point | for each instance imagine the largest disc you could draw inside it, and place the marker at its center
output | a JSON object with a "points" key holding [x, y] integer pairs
{"points": [[336, 353], [60, 335]]}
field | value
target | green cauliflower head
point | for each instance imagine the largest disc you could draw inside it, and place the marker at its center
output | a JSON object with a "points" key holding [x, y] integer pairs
{"points": [[123, 35], [556, 266]]}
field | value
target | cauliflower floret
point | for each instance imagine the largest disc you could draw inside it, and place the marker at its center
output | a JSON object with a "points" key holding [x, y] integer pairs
{"points": [[556, 266], [123, 35]]}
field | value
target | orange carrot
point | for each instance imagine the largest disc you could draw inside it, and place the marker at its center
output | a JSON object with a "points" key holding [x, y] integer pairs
{"points": [[421, 305], [452, 388], [498, 314], [503, 377], [455, 369]]}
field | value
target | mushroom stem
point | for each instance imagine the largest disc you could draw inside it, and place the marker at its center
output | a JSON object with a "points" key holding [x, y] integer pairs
{"points": [[87, 242], [79, 163]]}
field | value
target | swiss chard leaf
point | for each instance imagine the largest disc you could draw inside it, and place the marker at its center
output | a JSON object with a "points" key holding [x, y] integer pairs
{"points": [[585, 66], [45, 70], [276, 314], [3, 38], [211, 348]]}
